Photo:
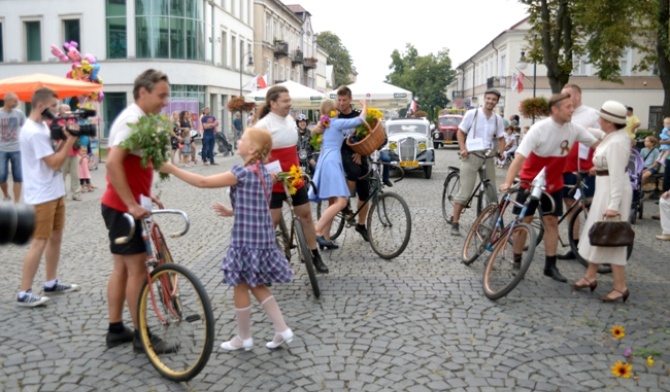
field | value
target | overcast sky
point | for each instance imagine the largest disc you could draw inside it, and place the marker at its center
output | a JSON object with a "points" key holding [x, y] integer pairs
{"points": [[372, 29]]}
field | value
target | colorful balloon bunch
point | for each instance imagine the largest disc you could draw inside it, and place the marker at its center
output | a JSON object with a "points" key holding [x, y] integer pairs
{"points": [[83, 67]]}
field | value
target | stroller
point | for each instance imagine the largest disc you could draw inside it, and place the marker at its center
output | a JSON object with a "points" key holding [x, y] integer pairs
{"points": [[223, 145], [634, 170]]}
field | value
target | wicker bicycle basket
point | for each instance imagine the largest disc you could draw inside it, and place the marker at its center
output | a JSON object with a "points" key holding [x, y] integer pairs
{"points": [[373, 141]]}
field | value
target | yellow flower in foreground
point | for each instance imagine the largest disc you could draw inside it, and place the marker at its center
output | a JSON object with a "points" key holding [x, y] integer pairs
{"points": [[650, 361], [621, 369], [618, 332]]}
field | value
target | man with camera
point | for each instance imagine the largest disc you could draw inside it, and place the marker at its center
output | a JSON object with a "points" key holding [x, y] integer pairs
{"points": [[45, 191], [11, 121]]}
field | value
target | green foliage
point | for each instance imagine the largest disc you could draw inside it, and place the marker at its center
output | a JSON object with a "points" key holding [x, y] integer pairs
{"points": [[150, 135], [338, 56], [534, 107], [426, 76]]}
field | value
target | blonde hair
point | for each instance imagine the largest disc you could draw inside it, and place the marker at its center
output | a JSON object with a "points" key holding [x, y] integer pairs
{"points": [[261, 140], [327, 106], [653, 139]]}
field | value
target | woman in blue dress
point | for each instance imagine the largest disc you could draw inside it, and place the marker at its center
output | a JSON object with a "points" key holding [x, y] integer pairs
{"points": [[329, 175]]}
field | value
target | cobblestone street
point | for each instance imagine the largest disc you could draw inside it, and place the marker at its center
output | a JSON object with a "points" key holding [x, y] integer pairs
{"points": [[417, 323]]}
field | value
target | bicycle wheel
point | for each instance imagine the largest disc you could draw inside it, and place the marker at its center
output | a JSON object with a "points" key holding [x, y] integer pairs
{"points": [[478, 236], [389, 225], [581, 215], [175, 322], [306, 257], [483, 197], [501, 274], [284, 238], [452, 184], [338, 222]]}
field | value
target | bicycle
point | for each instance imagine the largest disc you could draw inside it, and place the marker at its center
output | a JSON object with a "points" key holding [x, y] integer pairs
{"points": [[389, 222], [182, 317], [294, 238], [483, 191], [512, 246]]}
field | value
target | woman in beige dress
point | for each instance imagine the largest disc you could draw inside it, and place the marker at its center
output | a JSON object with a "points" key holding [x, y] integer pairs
{"points": [[612, 200]]}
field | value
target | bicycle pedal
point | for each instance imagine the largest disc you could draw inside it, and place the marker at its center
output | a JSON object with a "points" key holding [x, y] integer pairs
{"points": [[192, 318]]}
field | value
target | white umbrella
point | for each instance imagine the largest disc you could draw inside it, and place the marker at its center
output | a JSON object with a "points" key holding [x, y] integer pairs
{"points": [[302, 97], [378, 94]]}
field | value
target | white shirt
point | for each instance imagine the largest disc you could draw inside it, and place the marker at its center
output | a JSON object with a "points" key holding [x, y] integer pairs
{"points": [[487, 129], [586, 116], [282, 130], [40, 183], [120, 130], [549, 139]]}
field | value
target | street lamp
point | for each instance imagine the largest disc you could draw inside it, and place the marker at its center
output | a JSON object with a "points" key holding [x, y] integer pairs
{"points": [[521, 65], [249, 64]]}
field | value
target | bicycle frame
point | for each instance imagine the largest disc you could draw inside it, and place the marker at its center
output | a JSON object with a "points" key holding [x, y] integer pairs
{"points": [[376, 189], [481, 185], [151, 233]]}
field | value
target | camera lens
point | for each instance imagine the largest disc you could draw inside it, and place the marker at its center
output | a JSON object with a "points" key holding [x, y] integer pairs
{"points": [[17, 223]]}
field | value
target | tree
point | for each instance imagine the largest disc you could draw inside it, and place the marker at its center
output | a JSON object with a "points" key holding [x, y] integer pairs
{"points": [[426, 76], [338, 56]]}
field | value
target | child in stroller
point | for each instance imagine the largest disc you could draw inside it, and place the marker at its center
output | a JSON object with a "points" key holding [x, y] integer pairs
{"points": [[634, 169], [223, 145]]}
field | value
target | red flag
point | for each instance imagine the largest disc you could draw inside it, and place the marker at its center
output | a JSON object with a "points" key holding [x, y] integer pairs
{"points": [[517, 82], [260, 82], [413, 107]]}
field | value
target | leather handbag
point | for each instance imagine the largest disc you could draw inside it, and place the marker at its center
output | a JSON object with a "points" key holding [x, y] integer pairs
{"points": [[611, 233]]}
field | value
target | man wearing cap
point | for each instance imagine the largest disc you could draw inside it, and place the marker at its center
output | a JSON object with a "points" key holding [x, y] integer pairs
{"points": [[477, 133], [580, 158], [546, 146]]}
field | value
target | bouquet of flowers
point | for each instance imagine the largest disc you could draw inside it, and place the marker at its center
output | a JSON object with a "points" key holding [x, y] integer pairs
{"points": [[316, 138], [151, 136], [292, 179], [238, 104], [361, 132], [534, 107]]}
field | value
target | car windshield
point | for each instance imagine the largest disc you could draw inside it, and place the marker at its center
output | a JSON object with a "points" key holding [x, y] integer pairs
{"points": [[406, 128], [450, 121]]}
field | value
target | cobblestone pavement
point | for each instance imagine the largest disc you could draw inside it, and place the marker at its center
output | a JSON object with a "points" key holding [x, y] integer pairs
{"points": [[416, 323]]}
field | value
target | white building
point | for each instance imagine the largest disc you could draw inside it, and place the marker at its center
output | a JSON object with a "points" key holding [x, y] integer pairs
{"points": [[495, 64]]}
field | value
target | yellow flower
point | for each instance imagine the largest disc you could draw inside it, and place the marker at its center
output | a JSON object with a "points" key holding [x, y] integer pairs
{"points": [[621, 369], [618, 332], [650, 361], [332, 113]]}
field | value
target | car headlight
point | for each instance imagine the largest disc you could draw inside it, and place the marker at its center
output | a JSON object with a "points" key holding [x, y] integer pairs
{"points": [[422, 146], [393, 146]]}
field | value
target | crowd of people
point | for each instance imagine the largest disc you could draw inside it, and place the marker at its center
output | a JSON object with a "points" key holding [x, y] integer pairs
{"points": [[573, 138]]}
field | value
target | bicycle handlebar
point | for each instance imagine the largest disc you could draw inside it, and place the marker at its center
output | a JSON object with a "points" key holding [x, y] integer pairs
{"points": [[131, 223]]}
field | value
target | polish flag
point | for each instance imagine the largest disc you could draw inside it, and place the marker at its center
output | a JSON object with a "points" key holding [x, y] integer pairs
{"points": [[261, 82], [413, 107], [517, 82]]}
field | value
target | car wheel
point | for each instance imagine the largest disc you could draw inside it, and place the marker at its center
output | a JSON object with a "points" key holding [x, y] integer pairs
{"points": [[436, 145], [427, 171]]}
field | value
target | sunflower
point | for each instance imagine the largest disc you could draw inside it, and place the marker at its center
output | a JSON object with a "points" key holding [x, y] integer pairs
{"points": [[618, 332], [622, 369], [292, 179]]}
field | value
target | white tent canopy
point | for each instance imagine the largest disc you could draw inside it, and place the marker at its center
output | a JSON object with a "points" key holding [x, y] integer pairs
{"points": [[378, 94], [302, 97]]}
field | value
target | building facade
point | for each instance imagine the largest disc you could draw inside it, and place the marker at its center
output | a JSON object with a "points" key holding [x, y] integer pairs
{"points": [[497, 64]]}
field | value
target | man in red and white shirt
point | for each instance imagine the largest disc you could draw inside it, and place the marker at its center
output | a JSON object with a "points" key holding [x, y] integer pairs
{"points": [[546, 145], [580, 158], [274, 117]]}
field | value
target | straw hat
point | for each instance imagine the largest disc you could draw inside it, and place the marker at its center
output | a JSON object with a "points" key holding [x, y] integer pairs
{"points": [[613, 111]]}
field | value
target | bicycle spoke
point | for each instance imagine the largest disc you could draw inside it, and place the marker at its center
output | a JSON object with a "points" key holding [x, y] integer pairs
{"points": [[509, 261], [389, 225]]}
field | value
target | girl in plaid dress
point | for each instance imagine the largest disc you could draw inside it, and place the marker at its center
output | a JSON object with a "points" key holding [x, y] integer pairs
{"points": [[253, 259]]}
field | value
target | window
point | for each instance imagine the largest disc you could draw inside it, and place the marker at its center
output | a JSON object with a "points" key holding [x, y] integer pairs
{"points": [[71, 31], [625, 62], [33, 41], [233, 54], [224, 49], [170, 29], [2, 48], [268, 27], [117, 36], [114, 104]]}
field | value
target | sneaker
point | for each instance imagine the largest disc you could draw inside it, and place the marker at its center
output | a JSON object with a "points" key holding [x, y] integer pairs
{"points": [[30, 300], [118, 338], [363, 231], [158, 344], [7, 198], [60, 288], [455, 229], [663, 237]]}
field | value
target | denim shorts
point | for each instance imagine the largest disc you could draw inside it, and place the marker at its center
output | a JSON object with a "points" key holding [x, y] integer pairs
{"points": [[15, 158]]}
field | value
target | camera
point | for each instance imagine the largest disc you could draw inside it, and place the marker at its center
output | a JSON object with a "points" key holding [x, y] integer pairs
{"points": [[58, 122], [17, 223]]}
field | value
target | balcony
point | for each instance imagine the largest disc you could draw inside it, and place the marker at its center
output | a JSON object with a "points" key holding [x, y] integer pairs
{"points": [[309, 63], [296, 57], [277, 81], [457, 94], [496, 82], [281, 49]]}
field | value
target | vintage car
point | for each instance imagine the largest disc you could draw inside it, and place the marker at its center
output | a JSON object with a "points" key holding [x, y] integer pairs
{"points": [[447, 125], [409, 144]]}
